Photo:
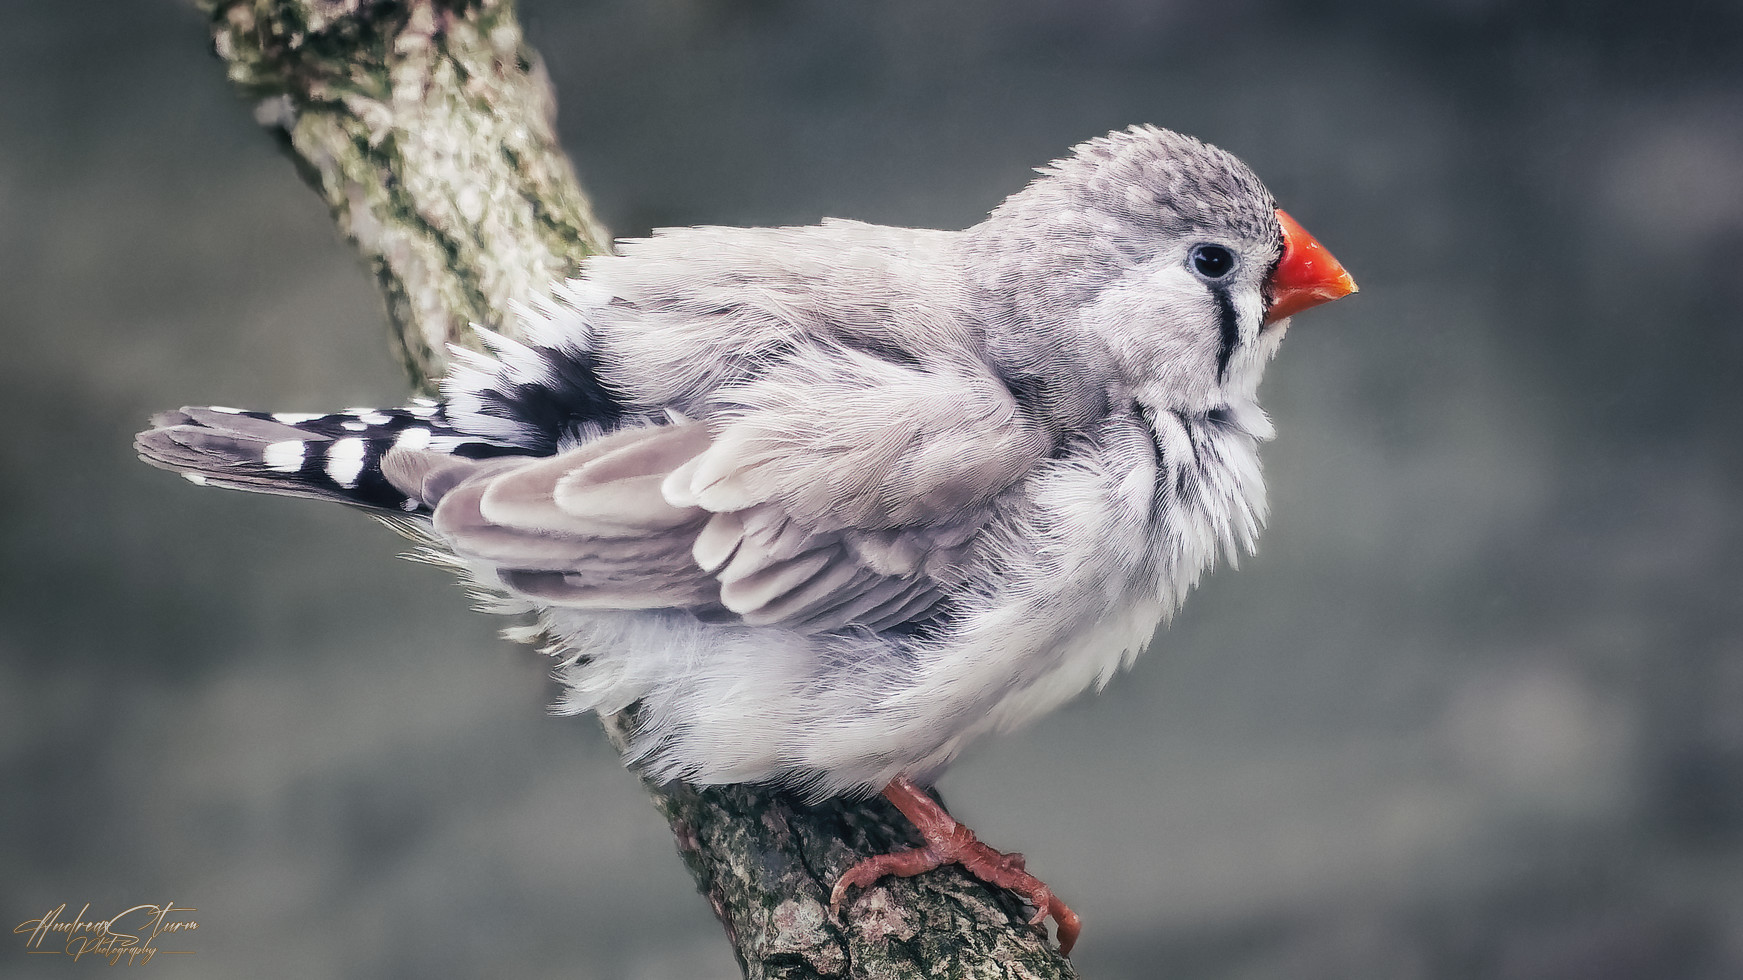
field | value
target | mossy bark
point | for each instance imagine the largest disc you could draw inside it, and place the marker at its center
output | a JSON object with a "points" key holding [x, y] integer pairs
{"points": [[427, 127], [429, 130]]}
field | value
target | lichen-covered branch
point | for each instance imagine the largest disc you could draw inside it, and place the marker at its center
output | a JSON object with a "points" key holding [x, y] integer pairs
{"points": [[427, 128]]}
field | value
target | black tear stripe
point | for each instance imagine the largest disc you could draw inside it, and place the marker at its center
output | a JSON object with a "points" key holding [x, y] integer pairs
{"points": [[1231, 331]]}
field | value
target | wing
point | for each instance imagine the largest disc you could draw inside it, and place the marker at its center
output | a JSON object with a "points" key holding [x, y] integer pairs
{"points": [[837, 489]]}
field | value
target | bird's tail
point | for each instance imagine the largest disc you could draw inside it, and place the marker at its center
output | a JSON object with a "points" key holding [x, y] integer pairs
{"points": [[328, 457]]}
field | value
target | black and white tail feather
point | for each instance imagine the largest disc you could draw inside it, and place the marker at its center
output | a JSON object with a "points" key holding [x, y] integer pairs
{"points": [[336, 456], [526, 400]]}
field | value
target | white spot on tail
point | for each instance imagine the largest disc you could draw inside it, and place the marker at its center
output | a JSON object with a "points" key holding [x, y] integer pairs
{"points": [[285, 457], [227, 410], [345, 461], [354, 426], [374, 418], [422, 409], [413, 438], [292, 418], [197, 479]]}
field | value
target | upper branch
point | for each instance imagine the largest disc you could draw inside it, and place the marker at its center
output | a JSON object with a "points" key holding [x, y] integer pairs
{"points": [[428, 128]]}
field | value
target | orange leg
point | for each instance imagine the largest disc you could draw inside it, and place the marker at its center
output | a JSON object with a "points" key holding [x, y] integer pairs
{"points": [[949, 842]]}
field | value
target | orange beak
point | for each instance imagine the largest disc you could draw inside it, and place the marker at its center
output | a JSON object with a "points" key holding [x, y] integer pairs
{"points": [[1305, 276]]}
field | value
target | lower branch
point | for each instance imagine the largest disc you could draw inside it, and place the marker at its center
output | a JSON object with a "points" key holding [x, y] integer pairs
{"points": [[767, 862]]}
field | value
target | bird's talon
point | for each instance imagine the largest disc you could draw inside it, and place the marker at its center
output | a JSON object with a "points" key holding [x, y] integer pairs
{"points": [[949, 842]]}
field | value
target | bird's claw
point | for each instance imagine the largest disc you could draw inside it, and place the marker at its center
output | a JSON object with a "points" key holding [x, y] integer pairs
{"points": [[902, 864], [949, 842], [980, 861]]}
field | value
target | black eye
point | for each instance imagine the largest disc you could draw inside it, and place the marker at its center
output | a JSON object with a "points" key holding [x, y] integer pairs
{"points": [[1211, 261]]}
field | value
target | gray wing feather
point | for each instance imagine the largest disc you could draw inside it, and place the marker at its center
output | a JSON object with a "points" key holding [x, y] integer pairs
{"points": [[837, 581], [837, 489], [842, 439], [874, 602], [753, 593], [607, 488]]}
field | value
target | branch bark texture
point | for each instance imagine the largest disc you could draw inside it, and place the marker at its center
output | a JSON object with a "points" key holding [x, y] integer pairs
{"points": [[427, 127], [429, 130]]}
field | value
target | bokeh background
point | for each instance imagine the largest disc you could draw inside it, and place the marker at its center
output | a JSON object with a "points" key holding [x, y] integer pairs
{"points": [[1475, 710]]}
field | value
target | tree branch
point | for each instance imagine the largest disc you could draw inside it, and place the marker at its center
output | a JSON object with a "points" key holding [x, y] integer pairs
{"points": [[427, 127], [429, 130]]}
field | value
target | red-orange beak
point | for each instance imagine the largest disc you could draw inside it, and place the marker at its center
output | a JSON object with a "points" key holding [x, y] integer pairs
{"points": [[1305, 276]]}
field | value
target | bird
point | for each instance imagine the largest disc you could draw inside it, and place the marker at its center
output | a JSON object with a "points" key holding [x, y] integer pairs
{"points": [[816, 507]]}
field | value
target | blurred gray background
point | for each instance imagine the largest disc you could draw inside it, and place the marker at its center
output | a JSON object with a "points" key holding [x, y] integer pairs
{"points": [[1475, 710]]}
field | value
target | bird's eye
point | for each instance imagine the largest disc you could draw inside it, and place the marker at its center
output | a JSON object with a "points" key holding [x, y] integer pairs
{"points": [[1211, 261]]}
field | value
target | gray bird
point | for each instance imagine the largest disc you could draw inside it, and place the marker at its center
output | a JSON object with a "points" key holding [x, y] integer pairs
{"points": [[818, 506]]}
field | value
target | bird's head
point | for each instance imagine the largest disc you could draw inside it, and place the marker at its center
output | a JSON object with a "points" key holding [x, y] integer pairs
{"points": [[1166, 255]]}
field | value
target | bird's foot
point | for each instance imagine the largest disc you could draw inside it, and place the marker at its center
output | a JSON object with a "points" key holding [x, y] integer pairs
{"points": [[949, 842]]}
